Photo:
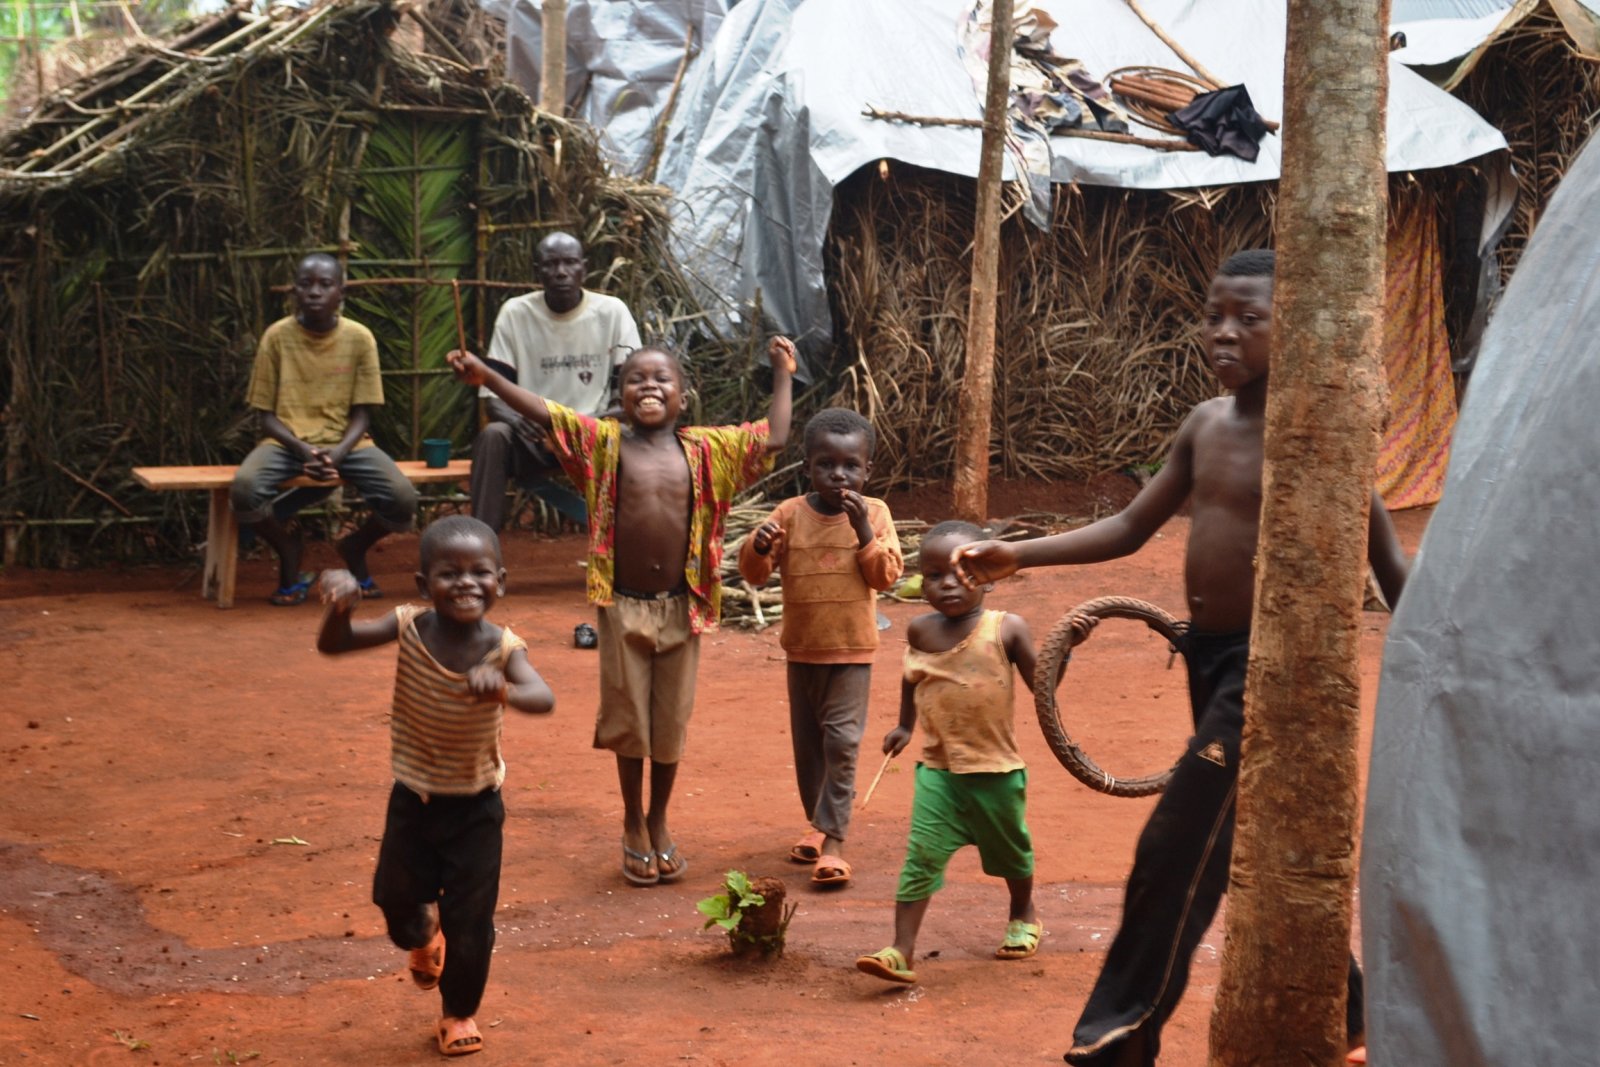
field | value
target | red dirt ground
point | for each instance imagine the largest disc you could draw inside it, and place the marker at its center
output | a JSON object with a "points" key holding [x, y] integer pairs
{"points": [[155, 748]]}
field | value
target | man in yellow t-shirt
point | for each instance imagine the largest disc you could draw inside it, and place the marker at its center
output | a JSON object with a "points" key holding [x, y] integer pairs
{"points": [[315, 379]]}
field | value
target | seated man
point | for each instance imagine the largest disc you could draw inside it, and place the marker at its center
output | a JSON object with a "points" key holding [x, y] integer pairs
{"points": [[561, 343], [315, 377]]}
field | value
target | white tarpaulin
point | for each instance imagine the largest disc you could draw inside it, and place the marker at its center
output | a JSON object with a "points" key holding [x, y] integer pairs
{"points": [[1480, 865], [772, 120]]}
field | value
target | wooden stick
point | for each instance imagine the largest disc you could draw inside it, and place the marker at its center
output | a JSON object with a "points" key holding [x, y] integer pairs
{"points": [[1093, 135], [876, 779], [1177, 49], [461, 328]]}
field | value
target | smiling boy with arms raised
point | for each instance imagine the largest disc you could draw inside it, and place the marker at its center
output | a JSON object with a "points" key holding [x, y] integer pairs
{"points": [[1180, 867], [438, 874], [837, 550], [658, 496]]}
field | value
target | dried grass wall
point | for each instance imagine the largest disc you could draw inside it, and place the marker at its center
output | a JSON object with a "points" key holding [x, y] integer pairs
{"points": [[1097, 358]]}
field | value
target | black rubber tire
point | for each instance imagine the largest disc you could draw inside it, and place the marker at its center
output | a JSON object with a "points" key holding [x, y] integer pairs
{"points": [[1053, 657]]}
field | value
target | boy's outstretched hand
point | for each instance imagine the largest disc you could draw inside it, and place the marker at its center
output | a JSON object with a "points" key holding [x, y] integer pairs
{"points": [[768, 537], [896, 740], [980, 562], [486, 681], [468, 368], [781, 353], [340, 591]]}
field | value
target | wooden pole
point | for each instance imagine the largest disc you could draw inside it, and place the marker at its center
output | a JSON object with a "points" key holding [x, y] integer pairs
{"points": [[977, 386], [553, 64], [1282, 994]]}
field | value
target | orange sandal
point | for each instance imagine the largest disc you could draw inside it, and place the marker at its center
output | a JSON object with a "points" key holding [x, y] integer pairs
{"points": [[427, 962], [831, 871], [809, 848], [458, 1037]]}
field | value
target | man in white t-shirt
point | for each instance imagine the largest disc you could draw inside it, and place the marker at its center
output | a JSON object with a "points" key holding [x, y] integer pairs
{"points": [[563, 343]]}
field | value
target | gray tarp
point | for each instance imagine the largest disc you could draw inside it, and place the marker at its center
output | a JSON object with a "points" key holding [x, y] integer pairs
{"points": [[622, 59], [771, 121], [1480, 868]]}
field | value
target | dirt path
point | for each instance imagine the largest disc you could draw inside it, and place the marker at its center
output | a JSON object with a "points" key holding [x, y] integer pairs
{"points": [[155, 751]]}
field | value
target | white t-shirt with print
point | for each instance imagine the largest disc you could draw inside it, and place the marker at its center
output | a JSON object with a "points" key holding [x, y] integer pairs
{"points": [[565, 357]]}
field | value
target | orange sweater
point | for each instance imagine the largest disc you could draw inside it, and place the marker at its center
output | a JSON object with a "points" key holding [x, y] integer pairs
{"points": [[830, 612]]}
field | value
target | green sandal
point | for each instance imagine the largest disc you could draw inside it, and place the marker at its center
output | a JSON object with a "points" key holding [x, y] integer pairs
{"points": [[1022, 940], [888, 964]]}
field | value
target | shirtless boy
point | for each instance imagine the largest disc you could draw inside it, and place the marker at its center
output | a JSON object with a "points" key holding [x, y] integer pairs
{"points": [[1180, 867], [658, 496]]}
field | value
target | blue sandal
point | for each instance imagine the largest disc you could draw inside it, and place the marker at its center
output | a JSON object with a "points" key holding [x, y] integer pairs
{"points": [[369, 589], [287, 596]]}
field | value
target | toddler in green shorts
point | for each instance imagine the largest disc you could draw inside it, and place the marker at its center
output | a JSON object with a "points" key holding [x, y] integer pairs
{"points": [[971, 784]]}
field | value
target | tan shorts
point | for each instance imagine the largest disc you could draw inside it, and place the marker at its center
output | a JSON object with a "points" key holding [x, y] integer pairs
{"points": [[648, 660]]}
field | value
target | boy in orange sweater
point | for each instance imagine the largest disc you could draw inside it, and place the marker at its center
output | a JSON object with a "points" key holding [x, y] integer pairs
{"points": [[837, 549]]}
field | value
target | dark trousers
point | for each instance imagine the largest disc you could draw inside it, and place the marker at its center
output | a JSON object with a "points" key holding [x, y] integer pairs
{"points": [[499, 455], [1180, 870], [444, 851], [827, 715]]}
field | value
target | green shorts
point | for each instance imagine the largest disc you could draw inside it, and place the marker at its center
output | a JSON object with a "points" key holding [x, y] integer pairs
{"points": [[950, 811]]}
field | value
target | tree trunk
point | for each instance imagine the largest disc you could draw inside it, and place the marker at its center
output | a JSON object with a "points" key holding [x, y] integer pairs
{"points": [[977, 386], [553, 56], [1282, 994]]}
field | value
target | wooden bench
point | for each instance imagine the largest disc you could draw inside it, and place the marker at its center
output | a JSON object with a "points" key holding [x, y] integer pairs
{"points": [[222, 529]]}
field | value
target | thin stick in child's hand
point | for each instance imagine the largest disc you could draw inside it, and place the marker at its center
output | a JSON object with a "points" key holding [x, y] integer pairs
{"points": [[461, 329], [877, 778]]}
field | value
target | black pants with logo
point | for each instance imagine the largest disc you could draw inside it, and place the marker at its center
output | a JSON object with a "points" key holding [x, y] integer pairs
{"points": [[445, 851], [1180, 871]]}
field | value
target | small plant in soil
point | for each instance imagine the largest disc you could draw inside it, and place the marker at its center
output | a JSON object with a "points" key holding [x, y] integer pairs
{"points": [[752, 911]]}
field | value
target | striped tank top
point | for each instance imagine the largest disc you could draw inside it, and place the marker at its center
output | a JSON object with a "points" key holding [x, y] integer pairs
{"points": [[443, 740]]}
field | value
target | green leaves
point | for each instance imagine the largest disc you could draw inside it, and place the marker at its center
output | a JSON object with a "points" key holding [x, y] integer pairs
{"points": [[725, 909]]}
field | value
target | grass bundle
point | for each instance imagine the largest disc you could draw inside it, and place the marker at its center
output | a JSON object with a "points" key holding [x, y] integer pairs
{"points": [[1097, 359]]}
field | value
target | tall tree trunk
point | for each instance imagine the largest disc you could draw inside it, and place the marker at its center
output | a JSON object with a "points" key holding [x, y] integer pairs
{"points": [[977, 385], [1282, 995], [553, 56]]}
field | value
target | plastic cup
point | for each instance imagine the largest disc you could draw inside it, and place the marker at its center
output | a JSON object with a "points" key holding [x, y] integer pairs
{"points": [[436, 451]]}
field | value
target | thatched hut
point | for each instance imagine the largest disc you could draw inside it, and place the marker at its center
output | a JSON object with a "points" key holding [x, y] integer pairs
{"points": [[154, 210]]}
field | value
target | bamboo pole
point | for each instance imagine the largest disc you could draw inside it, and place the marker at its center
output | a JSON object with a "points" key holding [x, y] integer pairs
{"points": [[977, 387], [553, 64], [1294, 851]]}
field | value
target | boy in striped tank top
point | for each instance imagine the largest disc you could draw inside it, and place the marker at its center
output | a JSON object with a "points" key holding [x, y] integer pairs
{"points": [[438, 876], [971, 784]]}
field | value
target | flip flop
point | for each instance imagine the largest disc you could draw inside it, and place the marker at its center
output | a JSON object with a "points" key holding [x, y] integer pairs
{"points": [[427, 962], [458, 1037], [1022, 940], [287, 596], [369, 589], [680, 866], [809, 848], [831, 871], [638, 857], [888, 964]]}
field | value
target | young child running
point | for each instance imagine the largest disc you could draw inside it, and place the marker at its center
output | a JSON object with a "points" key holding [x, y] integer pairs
{"points": [[1180, 867], [971, 785], [836, 549], [438, 872], [658, 496]]}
